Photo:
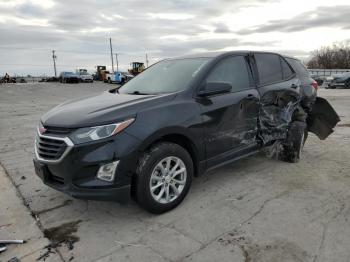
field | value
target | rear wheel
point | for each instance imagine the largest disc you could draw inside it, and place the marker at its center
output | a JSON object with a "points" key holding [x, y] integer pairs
{"points": [[164, 177], [347, 84], [294, 142], [306, 134]]}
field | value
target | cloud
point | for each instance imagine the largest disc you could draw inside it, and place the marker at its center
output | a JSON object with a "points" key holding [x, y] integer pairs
{"points": [[79, 31], [222, 28], [323, 16]]}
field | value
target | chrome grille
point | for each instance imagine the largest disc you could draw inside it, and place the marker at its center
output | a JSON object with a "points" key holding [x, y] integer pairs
{"points": [[59, 131], [50, 148]]}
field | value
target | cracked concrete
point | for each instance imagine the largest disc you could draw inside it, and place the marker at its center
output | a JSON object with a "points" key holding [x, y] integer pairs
{"points": [[257, 209]]}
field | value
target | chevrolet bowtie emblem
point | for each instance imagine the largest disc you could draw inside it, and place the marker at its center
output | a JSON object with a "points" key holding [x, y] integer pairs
{"points": [[42, 130]]}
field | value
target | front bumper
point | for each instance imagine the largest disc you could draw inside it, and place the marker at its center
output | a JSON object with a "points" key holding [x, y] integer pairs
{"points": [[335, 84], [75, 173], [72, 80], [87, 80], [119, 194]]}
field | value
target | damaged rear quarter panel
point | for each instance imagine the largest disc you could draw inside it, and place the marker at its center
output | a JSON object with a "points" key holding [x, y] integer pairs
{"points": [[277, 105], [322, 119]]}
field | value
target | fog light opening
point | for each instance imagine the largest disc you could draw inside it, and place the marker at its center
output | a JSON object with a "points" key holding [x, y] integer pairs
{"points": [[107, 172]]}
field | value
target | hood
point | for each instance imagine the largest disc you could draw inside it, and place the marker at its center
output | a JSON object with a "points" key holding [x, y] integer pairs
{"points": [[99, 109]]}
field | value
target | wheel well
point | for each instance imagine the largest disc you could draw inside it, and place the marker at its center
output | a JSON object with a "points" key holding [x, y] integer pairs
{"points": [[186, 143], [176, 139]]}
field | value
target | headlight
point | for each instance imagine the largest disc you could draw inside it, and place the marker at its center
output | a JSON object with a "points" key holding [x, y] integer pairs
{"points": [[88, 134]]}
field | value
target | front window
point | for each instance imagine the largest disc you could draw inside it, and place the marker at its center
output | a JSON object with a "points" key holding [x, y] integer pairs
{"points": [[165, 77]]}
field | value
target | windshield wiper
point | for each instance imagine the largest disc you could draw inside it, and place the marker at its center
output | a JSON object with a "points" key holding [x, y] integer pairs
{"points": [[137, 93]]}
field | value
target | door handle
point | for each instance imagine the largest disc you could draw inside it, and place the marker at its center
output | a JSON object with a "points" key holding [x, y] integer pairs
{"points": [[294, 86]]}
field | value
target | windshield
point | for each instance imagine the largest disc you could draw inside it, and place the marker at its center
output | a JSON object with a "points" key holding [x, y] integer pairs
{"points": [[164, 77]]}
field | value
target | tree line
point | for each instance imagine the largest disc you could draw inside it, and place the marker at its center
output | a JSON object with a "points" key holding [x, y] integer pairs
{"points": [[336, 56]]}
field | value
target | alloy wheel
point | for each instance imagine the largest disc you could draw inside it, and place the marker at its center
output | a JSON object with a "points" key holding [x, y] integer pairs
{"points": [[168, 179]]}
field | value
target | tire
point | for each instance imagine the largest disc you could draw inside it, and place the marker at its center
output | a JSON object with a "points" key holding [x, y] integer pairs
{"points": [[347, 84], [294, 143], [149, 175], [306, 134]]}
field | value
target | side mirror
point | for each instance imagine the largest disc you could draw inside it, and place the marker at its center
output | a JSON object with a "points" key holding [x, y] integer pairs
{"points": [[215, 88]]}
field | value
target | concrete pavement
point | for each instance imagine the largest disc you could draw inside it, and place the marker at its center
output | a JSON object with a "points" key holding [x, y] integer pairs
{"points": [[257, 209], [16, 222]]}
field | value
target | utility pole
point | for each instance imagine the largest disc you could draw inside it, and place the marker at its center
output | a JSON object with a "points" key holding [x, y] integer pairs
{"points": [[54, 57], [116, 59], [146, 60], [110, 45]]}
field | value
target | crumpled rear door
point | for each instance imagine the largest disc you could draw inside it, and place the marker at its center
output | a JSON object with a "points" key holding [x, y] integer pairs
{"points": [[322, 119], [277, 104]]}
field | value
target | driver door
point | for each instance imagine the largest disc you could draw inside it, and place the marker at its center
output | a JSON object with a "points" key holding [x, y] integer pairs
{"points": [[230, 119]]}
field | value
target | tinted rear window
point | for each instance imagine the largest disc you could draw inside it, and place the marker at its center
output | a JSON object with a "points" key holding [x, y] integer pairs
{"points": [[286, 70], [298, 67], [269, 68]]}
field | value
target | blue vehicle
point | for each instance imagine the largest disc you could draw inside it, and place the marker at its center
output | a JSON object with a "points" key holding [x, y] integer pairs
{"points": [[118, 77]]}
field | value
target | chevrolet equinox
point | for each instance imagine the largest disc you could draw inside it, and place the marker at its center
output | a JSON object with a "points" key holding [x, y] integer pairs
{"points": [[177, 119]]}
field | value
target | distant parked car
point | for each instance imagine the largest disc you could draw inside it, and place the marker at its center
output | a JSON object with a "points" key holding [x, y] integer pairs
{"points": [[84, 75], [69, 77], [327, 81], [340, 81], [319, 79], [52, 79], [127, 76]]}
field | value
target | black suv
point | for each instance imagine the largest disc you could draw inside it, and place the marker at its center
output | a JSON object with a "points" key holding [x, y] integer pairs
{"points": [[177, 119]]}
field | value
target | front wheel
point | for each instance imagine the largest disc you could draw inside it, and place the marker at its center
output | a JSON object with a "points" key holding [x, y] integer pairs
{"points": [[164, 177]]}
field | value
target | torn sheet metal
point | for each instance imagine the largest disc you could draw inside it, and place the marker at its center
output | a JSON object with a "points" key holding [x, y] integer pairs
{"points": [[274, 120], [322, 119], [274, 151]]}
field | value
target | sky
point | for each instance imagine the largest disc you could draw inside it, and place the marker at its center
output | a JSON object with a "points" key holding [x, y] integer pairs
{"points": [[79, 31]]}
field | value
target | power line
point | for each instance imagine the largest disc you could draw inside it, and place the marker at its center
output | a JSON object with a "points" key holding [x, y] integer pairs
{"points": [[116, 59], [49, 50], [110, 46], [141, 53], [44, 65], [54, 61]]}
